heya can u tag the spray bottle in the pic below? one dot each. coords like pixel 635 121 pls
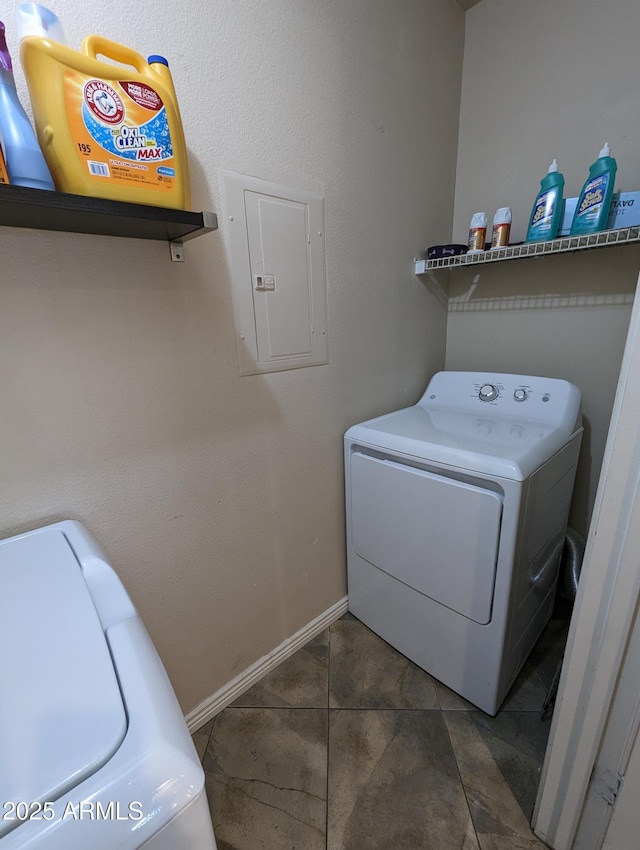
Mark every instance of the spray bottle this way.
pixel 20 153
pixel 592 209
pixel 547 209
pixel 501 228
pixel 477 233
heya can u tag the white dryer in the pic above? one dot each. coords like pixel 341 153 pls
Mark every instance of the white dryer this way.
pixel 456 516
pixel 94 749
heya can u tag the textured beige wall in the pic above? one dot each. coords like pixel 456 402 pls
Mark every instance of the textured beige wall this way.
pixel 579 336
pixel 539 83
pixel 219 499
pixel 543 81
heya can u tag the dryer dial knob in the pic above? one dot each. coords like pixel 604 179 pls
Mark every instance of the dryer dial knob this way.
pixel 488 392
pixel 520 394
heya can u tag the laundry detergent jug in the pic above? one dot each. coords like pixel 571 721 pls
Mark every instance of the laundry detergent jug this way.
pixel 106 130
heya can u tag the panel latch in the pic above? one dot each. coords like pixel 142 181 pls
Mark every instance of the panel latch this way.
pixel 265 282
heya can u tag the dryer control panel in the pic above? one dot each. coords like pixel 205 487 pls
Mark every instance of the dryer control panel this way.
pixel 551 400
pixel 489 392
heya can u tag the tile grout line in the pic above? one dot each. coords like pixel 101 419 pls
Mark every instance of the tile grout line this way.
pixel 206 747
pixel 326 822
pixel 464 790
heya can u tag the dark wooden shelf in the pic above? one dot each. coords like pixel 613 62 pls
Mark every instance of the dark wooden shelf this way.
pixel 22 207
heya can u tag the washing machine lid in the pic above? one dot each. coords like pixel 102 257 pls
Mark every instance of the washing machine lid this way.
pixel 61 712
pixel 509 447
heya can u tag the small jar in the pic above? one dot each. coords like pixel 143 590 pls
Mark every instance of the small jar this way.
pixel 501 228
pixel 477 232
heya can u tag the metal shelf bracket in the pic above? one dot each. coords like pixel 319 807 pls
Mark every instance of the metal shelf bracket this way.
pixel 177 251
pixel 209 223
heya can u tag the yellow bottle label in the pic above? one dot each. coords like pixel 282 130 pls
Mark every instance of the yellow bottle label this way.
pixel 4 176
pixel 120 131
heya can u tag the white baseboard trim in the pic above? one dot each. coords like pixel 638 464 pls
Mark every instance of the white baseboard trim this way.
pixel 241 683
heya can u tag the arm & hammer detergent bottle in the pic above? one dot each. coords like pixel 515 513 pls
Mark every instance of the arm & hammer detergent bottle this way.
pixel 106 130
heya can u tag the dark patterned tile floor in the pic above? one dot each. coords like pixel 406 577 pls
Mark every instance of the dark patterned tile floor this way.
pixel 347 745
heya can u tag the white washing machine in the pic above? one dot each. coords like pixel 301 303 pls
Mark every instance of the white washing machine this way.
pixel 456 515
pixel 94 749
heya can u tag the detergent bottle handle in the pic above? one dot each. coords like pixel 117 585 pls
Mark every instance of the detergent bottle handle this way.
pixel 95 45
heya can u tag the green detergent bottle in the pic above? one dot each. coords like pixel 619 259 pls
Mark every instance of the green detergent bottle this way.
pixel 547 210
pixel 592 209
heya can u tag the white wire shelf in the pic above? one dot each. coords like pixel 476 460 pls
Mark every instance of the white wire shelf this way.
pixel 605 238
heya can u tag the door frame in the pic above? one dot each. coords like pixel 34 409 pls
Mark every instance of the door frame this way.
pixel 603 618
pixel 614 760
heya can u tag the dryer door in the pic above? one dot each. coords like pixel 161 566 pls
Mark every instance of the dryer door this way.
pixel 435 534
